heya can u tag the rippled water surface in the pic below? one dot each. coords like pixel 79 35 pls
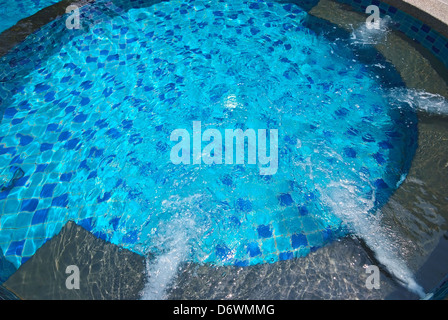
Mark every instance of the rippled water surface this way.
pixel 87 122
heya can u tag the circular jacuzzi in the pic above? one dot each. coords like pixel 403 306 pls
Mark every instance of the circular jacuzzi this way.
pixel 221 135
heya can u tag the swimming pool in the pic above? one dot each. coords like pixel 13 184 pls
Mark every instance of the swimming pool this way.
pixel 86 128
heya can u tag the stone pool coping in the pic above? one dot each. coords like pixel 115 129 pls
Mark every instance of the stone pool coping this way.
pixel 106 271
pixel 23 28
pixel 434 13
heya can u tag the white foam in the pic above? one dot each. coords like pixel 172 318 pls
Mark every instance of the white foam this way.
pixel 420 100
pixel 163 270
pixel 355 212
pixel 365 36
pixel 173 245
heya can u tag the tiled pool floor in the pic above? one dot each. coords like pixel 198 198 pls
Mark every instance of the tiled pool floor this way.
pixel 427 239
pixel 75 147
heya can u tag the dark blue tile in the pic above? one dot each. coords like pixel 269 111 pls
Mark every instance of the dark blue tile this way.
pixel 69 109
pixel 47 190
pixel 41 87
pixel 46 146
pixel 379 158
pixel 303 210
pixel 91 59
pixel 253 249
pixel 385 145
pixel 241 263
pixel 430 39
pixel 222 252
pixel 50 96
pixel 380 184
pixel 65 177
pixel 21 181
pixel 298 240
pixel 286 256
pixel 116 57
pixel 107 196
pixel 102 123
pixel 29 205
pixel 130 237
pixel 264 231
pixel 24 259
pixel 15 248
pixel 39 216
pixel 4 194
pixel 113 133
pixel 327 234
pixel 350 152
pixel 60 201
pixel 227 180
pixel 80 118
pixel 86 224
pixel 24 139
pixel 92 175
pixel 10 112
pixel 72 144
pixel 64 136
pixel 84 101
pixel 244 205
pixel 10 150
pixel 285 199
pixel 95 153
pixel 425 28
pixel 16 159
pixel 83 164
pixel 41 167
pixel 17 121
pixel 52 127
pixel 114 223
pixel 101 235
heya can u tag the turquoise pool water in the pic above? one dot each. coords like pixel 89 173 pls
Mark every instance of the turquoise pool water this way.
pixel 86 126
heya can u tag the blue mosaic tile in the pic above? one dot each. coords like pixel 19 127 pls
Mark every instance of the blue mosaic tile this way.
pixel 15 248
pixel 264 231
pixel 299 240
pixel 60 201
pixel 100 166
pixel 29 205
pixel 47 190
pixel 39 216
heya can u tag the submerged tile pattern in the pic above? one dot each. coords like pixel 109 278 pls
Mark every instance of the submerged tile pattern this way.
pixel 66 156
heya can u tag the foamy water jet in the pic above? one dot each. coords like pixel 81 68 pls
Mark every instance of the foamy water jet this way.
pixel 365 36
pixel 355 211
pixel 173 246
pixel 420 100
